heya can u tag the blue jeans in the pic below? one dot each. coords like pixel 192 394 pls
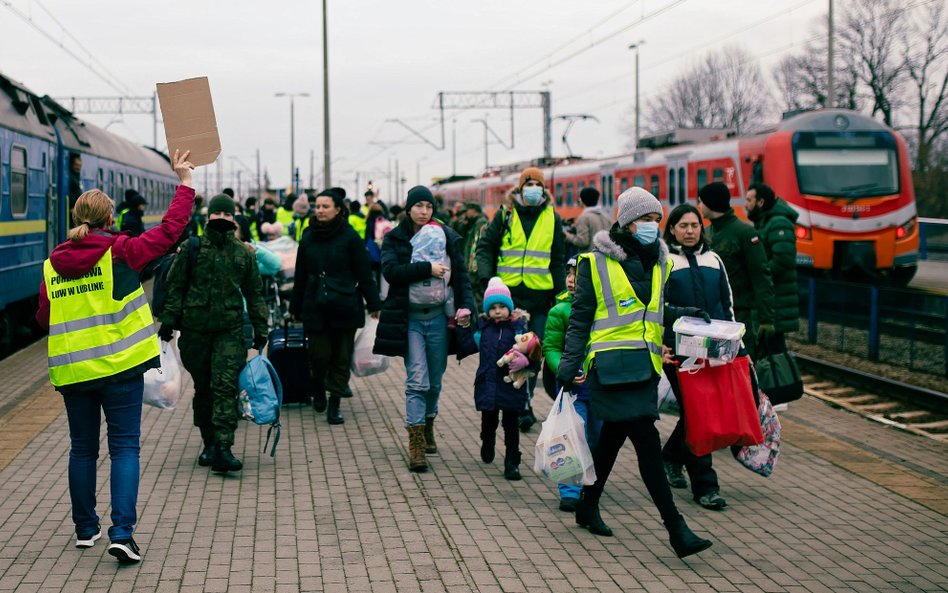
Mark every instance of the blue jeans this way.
pixel 425 364
pixel 122 404
pixel 592 437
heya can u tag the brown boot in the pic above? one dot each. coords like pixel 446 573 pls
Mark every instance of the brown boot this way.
pixel 416 449
pixel 430 446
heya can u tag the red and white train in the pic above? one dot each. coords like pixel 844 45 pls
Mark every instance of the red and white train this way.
pixel 848 176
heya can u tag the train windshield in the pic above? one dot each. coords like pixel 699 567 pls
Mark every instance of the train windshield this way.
pixel 846 164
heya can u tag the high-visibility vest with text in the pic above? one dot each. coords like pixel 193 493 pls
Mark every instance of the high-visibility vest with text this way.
pixel 92 335
pixel 621 320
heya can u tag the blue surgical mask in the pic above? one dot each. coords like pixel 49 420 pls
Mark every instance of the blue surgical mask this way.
pixel 646 232
pixel 532 195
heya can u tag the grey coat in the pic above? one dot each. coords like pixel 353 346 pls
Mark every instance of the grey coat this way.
pixel 591 221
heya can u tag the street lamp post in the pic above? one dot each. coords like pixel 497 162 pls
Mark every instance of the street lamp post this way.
pixel 293 180
pixel 636 47
pixel 326 158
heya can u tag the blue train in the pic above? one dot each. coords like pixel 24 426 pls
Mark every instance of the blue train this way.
pixel 44 149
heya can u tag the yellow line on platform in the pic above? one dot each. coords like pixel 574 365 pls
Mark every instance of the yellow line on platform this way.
pixel 891 476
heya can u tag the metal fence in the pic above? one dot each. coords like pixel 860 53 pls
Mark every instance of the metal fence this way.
pixel 932 238
pixel 897 326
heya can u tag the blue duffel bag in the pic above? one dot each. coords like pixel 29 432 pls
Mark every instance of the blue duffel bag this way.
pixel 261 397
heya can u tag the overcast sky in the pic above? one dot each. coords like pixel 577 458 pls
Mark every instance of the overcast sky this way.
pixel 387 60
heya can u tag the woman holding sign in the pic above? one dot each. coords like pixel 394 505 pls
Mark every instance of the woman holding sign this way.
pixel 102 339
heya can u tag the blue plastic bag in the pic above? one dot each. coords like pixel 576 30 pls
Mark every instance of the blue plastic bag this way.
pixel 261 397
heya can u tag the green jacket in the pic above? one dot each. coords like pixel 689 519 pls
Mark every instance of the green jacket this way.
pixel 554 337
pixel 776 228
pixel 745 262
pixel 210 298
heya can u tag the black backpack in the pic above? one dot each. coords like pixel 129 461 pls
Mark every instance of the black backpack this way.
pixel 159 291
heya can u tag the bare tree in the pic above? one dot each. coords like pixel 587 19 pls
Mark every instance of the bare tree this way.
pixel 725 90
pixel 871 32
pixel 802 78
pixel 926 57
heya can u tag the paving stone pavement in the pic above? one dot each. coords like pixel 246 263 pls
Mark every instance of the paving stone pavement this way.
pixel 337 510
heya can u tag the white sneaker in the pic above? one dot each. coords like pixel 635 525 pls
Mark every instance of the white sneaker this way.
pixel 781 407
pixel 88 542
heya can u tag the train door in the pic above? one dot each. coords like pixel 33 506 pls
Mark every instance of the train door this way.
pixel 608 190
pixel 50 171
pixel 677 182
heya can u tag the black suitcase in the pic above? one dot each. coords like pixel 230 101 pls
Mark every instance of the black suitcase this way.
pixel 286 350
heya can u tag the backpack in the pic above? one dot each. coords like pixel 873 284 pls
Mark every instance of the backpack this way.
pixel 261 397
pixel 159 290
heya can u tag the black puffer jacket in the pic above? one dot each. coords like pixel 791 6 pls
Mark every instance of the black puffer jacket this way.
pixel 342 257
pixel 398 269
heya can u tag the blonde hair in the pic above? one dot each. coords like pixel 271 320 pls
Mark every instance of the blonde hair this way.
pixel 92 211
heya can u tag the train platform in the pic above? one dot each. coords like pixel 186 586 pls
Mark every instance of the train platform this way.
pixel 853 506
pixel 932 275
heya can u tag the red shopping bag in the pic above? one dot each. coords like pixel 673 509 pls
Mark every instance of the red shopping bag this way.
pixel 719 406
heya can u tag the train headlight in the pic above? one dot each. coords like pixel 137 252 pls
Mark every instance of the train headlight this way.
pixel 905 230
pixel 803 232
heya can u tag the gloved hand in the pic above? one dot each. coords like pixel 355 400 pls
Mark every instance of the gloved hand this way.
pixel 765 330
pixel 165 332
pixel 259 342
pixel 696 312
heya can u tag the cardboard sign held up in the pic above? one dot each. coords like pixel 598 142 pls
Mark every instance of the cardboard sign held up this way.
pixel 188 114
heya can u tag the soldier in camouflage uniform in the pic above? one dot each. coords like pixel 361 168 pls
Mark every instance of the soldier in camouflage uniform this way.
pixel 207 305
pixel 745 262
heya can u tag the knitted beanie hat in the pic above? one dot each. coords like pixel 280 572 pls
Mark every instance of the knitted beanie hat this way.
pixel 497 292
pixel 531 173
pixel 419 193
pixel 716 196
pixel 635 203
pixel 221 203
pixel 301 206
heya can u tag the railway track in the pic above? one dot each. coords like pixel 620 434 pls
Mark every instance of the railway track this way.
pixel 907 407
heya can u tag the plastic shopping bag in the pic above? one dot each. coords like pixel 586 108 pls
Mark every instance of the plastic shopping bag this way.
pixel 667 402
pixel 761 458
pixel 165 385
pixel 562 453
pixel 364 362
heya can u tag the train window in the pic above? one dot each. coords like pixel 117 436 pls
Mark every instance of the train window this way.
pixel 569 194
pixel 717 175
pixel 559 194
pixel 654 186
pixel 681 185
pixel 702 178
pixel 624 184
pixel 18 180
pixel 671 187
pixel 111 190
pixel 580 186
pixel 100 181
pixel 639 181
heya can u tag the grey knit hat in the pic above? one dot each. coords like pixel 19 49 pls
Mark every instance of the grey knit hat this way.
pixel 635 203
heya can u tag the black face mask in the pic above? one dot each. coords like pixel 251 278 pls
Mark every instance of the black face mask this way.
pixel 221 225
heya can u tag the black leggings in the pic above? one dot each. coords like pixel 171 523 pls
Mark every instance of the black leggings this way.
pixel 489 422
pixel 648 449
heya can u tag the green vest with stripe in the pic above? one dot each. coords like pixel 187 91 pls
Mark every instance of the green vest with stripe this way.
pixel 621 320
pixel 300 225
pixel 525 260
pixel 121 218
pixel 285 217
pixel 92 335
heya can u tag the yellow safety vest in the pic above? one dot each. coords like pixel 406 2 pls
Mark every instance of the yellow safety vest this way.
pixel 301 224
pixel 358 224
pixel 91 335
pixel 121 218
pixel 285 217
pixel 621 320
pixel 525 260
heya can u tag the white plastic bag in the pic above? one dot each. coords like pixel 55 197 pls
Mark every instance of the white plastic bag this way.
pixel 164 386
pixel 364 362
pixel 667 402
pixel 562 453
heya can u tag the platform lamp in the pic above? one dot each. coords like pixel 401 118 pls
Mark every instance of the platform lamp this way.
pixel 636 47
pixel 293 180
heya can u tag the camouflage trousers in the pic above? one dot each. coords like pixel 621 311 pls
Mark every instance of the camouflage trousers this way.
pixel 214 361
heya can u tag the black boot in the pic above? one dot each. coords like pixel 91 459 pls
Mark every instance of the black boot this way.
pixel 319 401
pixel 587 515
pixel 332 414
pixel 527 420
pixel 488 435
pixel 206 458
pixel 224 460
pixel 512 465
pixel 683 540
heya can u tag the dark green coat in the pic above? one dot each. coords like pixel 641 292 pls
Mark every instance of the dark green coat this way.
pixel 745 261
pixel 210 298
pixel 776 228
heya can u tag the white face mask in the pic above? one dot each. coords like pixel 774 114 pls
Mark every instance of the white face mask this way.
pixel 532 195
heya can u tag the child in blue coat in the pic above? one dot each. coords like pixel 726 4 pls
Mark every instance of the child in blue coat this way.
pixel 495 332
